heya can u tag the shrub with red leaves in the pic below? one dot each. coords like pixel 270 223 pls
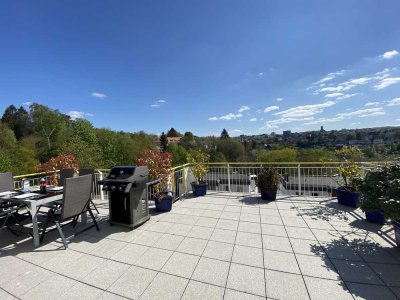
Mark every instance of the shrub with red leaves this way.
pixel 159 165
pixel 64 161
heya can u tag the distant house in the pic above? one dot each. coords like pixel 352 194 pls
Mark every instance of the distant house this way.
pixel 174 139
pixel 358 143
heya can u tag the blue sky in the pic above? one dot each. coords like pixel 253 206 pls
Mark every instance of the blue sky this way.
pixel 251 67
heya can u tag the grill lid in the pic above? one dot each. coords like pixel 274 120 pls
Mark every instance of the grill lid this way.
pixel 122 172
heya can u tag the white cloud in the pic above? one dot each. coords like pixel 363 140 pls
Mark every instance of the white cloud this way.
pixel 227 117
pixel 324 120
pixel 28 103
pixel 355 123
pixel 305 110
pixel 230 116
pixel 347 96
pixel 73 114
pixel 275 123
pixel 373 114
pixel 158 103
pixel 331 89
pixel 385 82
pixel 372 104
pixel 259 111
pixel 243 108
pixel 271 108
pixel 235 132
pixel 393 102
pixel 279 99
pixel 383 74
pixel 378 111
pixel 99 95
pixel 349 84
pixel 261 74
pixel 253 120
pixel 357 81
pixel 389 54
pixel 330 76
pixel 334 95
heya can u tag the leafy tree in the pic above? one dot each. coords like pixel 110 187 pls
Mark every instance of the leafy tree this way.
pixel 9 116
pixel 280 155
pixel 84 130
pixel 188 140
pixel 24 160
pixel 179 154
pixel 216 156
pixel 173 133
pixel 23 124
pixel 224 134
pixel 163 142
pixel 51 128
pixel 315 155
pixel 232 149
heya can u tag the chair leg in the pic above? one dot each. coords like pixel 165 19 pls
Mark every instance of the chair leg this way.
pixel 74 221
pixel 20 225
pixel 45 227
pixel 61 234
pixel 94 206
pixel 94 219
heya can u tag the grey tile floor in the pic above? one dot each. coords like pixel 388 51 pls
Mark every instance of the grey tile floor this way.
pixel 220 246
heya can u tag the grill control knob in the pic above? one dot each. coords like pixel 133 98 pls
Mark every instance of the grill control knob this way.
pixel 105 187
pixel 120 188
pixel 113 188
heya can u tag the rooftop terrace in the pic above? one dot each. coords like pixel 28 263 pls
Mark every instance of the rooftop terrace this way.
pixel 220 246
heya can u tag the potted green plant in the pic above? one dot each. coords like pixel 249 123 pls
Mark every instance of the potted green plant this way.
pixel 391 199
pixel 373 188
pixel 350 172
pixel 159 165
pixel 268 182
pixel 199 166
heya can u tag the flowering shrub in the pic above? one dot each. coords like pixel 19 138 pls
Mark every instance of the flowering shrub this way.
pixel 159 165
pixel 349 170
pixel 64 161
pixel 199 160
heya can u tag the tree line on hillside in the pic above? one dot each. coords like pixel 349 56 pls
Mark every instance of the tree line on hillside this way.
pixel 31 138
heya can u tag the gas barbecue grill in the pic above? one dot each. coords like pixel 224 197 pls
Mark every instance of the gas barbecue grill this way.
pixel 126 187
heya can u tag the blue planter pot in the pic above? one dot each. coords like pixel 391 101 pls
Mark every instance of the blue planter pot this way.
pixel 199 189
pixel 268 194
pixel 375 217
pixel 396 225
pixel 348 198
pixel 165 204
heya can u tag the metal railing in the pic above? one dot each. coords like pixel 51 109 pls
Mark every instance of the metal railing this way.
pixel 304 179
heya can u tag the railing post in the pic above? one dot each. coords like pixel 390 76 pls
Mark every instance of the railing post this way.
pixel 184 179
pixel 299 179
pixel 101 187
pixel 229 177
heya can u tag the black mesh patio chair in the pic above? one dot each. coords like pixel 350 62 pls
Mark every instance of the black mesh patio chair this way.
pixel 64 174
pixel 6 182
pixel 75 201
pixel 9 211
pixel 87 171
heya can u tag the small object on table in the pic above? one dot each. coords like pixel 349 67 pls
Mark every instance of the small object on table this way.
pixel 43 186
pixel 27 186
